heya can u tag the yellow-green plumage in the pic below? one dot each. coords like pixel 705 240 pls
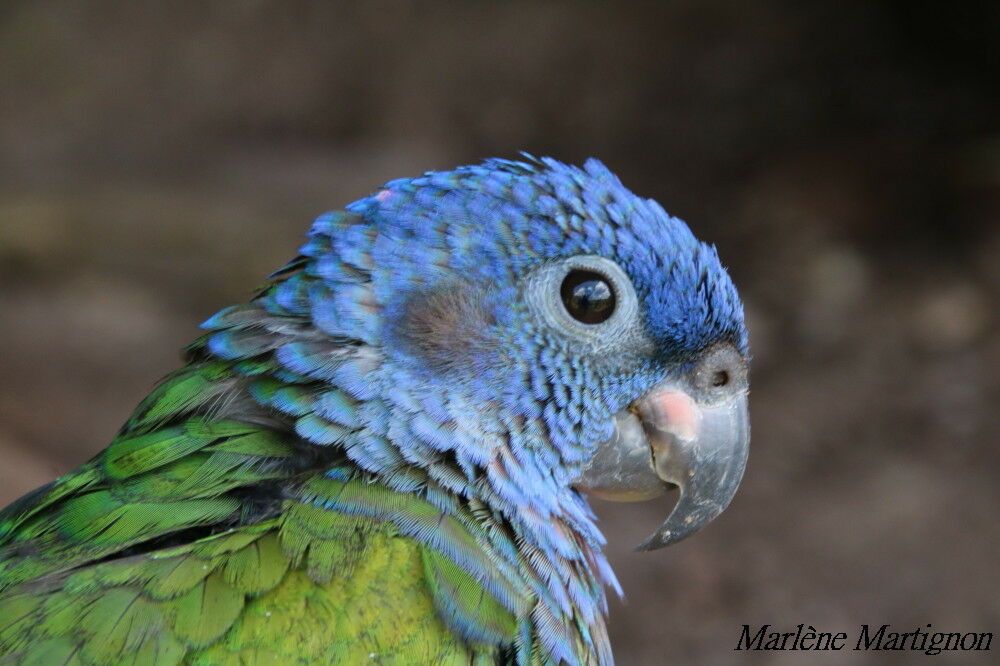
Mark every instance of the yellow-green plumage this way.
pixel 306 585
pixel 238 598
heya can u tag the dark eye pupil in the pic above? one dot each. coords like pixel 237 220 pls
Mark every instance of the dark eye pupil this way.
pixel 587 296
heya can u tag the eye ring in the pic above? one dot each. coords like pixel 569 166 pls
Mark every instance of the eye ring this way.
pixel 622 325
pixel 588 296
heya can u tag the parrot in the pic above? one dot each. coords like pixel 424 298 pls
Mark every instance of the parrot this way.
pixel 386 455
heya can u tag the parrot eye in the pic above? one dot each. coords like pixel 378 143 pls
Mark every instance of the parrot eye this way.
pixel 587 296
pixel 589 302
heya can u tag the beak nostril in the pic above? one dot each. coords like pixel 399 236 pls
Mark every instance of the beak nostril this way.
pixel 720 378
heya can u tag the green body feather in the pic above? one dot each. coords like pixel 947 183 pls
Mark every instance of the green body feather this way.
pixel 170 548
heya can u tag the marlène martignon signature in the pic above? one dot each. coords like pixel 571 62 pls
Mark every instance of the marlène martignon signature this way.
pixel 868 637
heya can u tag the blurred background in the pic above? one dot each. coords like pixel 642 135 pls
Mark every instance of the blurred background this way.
pixel 157 160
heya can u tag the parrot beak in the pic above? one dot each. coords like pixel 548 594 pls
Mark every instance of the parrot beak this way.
pixel 667 438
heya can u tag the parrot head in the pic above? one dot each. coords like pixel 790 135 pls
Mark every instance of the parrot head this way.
pixel 551 332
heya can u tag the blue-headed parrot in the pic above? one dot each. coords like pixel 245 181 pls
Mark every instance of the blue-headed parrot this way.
pixel 385 456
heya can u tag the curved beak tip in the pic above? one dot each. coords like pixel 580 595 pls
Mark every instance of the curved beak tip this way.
pixel 702 449
pixel 674 441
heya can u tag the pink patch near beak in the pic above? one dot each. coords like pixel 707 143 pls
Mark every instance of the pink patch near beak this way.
pixel 681 413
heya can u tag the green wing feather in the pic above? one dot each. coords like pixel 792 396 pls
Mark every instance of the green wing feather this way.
pixel 235 598
pixel 182 543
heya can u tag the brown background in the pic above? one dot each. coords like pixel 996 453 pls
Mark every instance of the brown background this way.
pixel 155 163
